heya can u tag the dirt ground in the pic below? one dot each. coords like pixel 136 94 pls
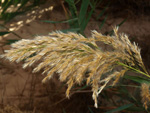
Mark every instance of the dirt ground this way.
pixel 23 90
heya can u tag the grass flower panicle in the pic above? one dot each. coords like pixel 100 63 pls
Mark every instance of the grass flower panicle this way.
pixel 145 94
pixel 76 58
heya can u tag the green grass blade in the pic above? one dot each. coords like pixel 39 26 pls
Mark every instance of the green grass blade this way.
pixel 4 33
pixel 83 10
pixel 10 41
pixel 90 110
pixel 102 13
pixel 120 108
pixel 8 16
pixel 135 109
pixel 72 8
pixel 6 5
pixel 23 3
pixel 71 30
pixel 98 2
pixel 137 79
pixel 85 22
pixel 103 22
pixel 77 2
pixel 64 110
pixel 91 3
pixel 122 22
pixel 134 69
pixel 84 87
pixel 15 2
pixel 118 25
pixel 73 12
pixel 65 21
pixel 124 94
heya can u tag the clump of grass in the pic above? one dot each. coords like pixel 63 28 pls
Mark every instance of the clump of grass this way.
pixel 76 58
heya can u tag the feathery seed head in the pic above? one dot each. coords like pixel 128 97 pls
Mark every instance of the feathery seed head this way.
pixel 145 94
pixel 72 56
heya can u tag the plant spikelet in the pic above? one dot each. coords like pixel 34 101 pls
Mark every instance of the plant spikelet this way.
pixel 145 94
pixel 77 59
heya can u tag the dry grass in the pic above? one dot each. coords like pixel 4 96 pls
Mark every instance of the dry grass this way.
pixel 77 59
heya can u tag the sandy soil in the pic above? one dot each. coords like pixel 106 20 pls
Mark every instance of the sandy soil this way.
pixel 22 87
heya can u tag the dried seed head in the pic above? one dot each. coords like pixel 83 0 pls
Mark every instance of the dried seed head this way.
pixel 77 58
pixel 145 94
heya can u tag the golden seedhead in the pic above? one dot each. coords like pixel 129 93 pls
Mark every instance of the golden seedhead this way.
pixel 145 94
pixel 76 58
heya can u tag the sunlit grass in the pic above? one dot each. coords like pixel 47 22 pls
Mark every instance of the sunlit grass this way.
pixel 76 59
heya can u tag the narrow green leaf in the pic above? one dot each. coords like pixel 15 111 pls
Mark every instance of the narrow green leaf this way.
pixel 118 25
pixel 77 2
pixel 15 2
pixel 4 33
pixel 99 2
pixel 72 8
pixel 65 21
pixel 4 3
pixel 137 79
pixel 70 30
pixel 127 95
pixel 85 22
pixel 64 110
pixel 10 41
pixel 134 109
pixel 120 108
pixel 23 3
pixel 85 86
pixel 100 27
pixel 73 12
pixel 8 16
pixel 134 69
pixel 90 110
pixel 6 6
pixel 122 22
pixel 93 3
pixel 83 10
pixel 102 13
pixel 70 2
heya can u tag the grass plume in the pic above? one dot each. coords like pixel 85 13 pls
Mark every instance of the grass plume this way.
pixel 145 94
pixel 76 58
